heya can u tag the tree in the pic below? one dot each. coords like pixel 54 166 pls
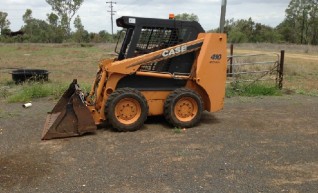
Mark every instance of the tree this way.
pixel 39 31
pixel 297 18
pixel 314 22
pixel 65 9
pixel 287 32
pixel 106 37
pixel 242 30
pixel 187 17
pixel 81 35
pixel 27 16
pixel 78 24
pixel 264 33
pixel 53 19
pixel 57 32
pixel 301 22
pixel 100 37
pixel 4 22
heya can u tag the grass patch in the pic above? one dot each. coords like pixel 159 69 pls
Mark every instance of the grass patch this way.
pixel 177 130
pixel 29 91
pixel 33 90
pixel 252 90
pixel 307 93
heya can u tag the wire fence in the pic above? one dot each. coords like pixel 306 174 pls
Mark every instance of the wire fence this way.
pixel 253 68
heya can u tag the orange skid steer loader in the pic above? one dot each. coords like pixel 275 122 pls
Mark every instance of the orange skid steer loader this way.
pixel 164 67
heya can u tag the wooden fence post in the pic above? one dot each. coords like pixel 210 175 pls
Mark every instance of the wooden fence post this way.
pixel 281 70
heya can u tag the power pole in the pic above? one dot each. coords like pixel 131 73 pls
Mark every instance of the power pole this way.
pixel 222 19
pixel 112 12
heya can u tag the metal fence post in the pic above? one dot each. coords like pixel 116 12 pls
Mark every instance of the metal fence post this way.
pixel 231 60
pixel 281 69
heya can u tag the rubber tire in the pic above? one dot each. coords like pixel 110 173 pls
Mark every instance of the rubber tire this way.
pixel 115 97
pixel 171 101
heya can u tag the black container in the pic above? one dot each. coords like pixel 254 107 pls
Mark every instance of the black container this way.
pixel 23 75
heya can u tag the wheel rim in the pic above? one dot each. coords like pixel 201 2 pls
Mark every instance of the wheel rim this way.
pixel 127 111
pixel 186 109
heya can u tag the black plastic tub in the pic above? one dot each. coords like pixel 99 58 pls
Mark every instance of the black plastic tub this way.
pixel 23 75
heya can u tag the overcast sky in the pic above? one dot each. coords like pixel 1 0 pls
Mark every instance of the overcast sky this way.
pixel 95 17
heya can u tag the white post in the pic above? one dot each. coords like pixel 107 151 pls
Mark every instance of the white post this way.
pixel 223 12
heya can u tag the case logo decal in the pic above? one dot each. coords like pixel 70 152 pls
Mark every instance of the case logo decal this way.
pixel 174 51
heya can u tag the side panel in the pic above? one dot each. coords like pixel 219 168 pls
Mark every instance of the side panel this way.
pixel 155 101
pixel 211 68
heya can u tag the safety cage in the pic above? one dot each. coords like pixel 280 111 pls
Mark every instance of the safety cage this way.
pixel 146 35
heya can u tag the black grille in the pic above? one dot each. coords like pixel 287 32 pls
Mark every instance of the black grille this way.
pixel 155 39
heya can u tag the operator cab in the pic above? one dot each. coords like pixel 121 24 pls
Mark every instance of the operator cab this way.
pixel 146 35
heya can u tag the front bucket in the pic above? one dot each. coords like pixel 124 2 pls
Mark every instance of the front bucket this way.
pixel 70 116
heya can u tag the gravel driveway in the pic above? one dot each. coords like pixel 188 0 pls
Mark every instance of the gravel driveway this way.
pixel 267 144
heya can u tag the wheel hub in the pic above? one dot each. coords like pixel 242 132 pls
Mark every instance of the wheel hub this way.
pixel 186 108
pixel 127 110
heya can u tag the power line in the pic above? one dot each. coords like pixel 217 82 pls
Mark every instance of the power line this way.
pixel 112 13
pixel 130 4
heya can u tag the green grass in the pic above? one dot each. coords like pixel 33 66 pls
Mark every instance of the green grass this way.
pixel 307 93
pixel 29 91
pixel 33 90
pixel 177 130
pixel 257 89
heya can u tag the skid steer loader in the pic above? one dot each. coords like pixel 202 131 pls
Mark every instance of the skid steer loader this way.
pixel 164 67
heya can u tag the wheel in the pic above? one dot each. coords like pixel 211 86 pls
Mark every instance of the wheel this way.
pixel 126 109
pixel 183 108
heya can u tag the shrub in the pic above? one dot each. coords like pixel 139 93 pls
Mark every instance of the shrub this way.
pixel 256 89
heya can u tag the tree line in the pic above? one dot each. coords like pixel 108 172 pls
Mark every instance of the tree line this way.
pixel 55 29
pixel 300 26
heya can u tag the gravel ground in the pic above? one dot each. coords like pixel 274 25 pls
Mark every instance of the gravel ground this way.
pixel 264 144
